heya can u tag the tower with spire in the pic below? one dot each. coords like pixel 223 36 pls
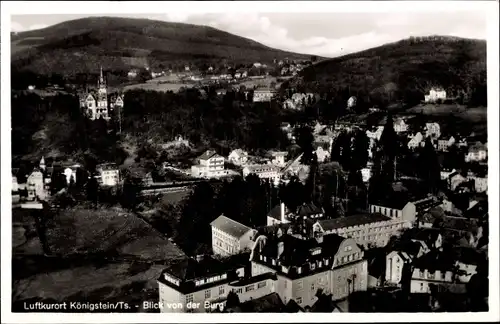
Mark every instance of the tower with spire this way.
pixel 95 103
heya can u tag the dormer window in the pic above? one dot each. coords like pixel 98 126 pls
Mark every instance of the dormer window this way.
pixel 299 270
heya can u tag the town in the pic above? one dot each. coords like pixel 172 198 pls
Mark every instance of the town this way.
pixel 230 188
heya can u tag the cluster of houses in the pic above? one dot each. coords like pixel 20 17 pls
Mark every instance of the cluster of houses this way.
pixel 35 187
pixel 302 255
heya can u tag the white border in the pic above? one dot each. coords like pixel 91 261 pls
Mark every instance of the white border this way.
pixel 79 7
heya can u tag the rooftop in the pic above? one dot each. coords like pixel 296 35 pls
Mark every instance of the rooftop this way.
pixel 349 221
pixel 229 226
pixel 208 154
pixel 398 204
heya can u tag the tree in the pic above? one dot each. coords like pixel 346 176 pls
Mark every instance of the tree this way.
pixel 305 139
pixel 360 151
pixel 130 193
pixel 429 167
pixel 92 189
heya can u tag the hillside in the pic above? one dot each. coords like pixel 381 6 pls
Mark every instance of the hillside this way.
pixel 80 46
pixel 403 70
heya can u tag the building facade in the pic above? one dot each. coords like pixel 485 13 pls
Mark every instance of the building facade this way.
pixel 108 175
pixel 211 165
pixel 264 171
pixel 95 104
pixel 230 237
pixel 435 94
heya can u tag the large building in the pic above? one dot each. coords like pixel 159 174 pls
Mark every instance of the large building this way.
pixel 280 214
pixel 263 95
pixel 307 266
pixel 396 209
pixel 95 104
pixel 365 229
pixel 264 171
pixel 108 175
pixel 230 237
pixel 211 165
pixel 202 285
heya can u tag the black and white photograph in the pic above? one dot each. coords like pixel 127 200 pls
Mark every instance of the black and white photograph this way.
pixel 256 157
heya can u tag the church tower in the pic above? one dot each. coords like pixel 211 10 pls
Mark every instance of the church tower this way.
pixel 102 98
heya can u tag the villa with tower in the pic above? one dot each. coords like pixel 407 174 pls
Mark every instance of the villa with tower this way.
pixel 96 103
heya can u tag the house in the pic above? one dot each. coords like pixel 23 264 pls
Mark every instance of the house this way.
pixel 322 154
pixel 375 134
pixel 400 126
pixel 263 94
pixel 399 209
pixel 15 184
pixel 432 270
pixel 305 265
pixel 467 261
pixel 35 185
pixel 366 173
pixel 445 173
pixel 397 263
pixel 416 141
pixel 435 94
pixel 238 157
pixel 480 183
pixel 429 237
pixel 351 102
pixel 187 68
pixel 425 204
pixel 70 172
pixel 264 171
pixel 230 237
pixel 455 179
pixel 444 143
pixel 279 158
pixel 211 165
pixel 132 74
pixel 95 105
pixel 257 65
pixel 365 229
pixel 202 285
pixel 108 174
pixel 280 214
pixel 432 130
pixel 477 152
pixel 117 101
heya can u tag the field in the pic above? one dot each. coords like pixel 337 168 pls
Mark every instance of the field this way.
pixel 164 83
pixel 98 255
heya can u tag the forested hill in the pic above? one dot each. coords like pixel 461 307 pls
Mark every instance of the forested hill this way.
pixel 80 46
pixel 403 70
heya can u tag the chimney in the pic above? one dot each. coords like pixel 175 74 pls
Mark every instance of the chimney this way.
pixel 283 213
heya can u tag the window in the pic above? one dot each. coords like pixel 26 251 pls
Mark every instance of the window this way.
pixel 189 298
pixel 430 275
pixel 286 282
pixel 261 284
pixel 249 288
pixel 312 287
pixel 421 274
pixel 421 287
pixel 299 300
pixel 208 293
pixel 300 284
pixel 221 290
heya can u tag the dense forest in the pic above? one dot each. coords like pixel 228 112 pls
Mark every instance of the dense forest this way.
pixel 403 71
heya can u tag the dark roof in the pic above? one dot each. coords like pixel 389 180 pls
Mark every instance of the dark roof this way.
pixel 468 255
pixel 229 226
pixel 427 235
pixel 410 247
pixel 308 209
pixel 435 260
pixel 479 210
pixel 276 212
pixel 459 223
pixel 189 268
pixel 266 304
pixel 207 155
pixel 427 203
pixel 292 307
pixel 359 219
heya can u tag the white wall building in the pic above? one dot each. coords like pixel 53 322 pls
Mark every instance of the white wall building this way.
pixel 230 237
pixel 211 165
pixel 435 94
pixel 108 174
pixel 264 171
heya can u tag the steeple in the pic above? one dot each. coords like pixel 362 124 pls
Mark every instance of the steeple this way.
pixel 101 79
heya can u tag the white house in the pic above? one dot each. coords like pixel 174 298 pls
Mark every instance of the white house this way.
pixel 432 130
pixel 264 171
pixel 427 272
pixel 211 165
pixel 230 237
pixel 435 94
pixel 416 141
pixel 444 143
pixel 400 126
pixel 351 102
pixel 263 95
pixel 322 154
pixel 396 263
pixel 477 152
pixel 108 174
pixel 279 158
pixel 366 174
pixel 238 157
pixel 35 186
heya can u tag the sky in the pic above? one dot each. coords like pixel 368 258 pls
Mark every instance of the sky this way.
pixel 323 34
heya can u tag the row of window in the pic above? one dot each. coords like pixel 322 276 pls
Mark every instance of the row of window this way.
pixel 210 280
pixel 432 275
